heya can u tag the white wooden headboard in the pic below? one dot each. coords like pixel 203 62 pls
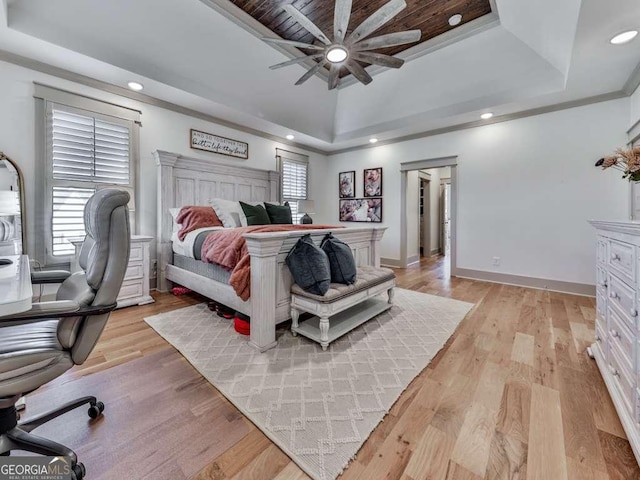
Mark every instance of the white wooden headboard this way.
pixel 191 181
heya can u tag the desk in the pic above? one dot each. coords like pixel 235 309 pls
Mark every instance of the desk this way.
pixel 15 286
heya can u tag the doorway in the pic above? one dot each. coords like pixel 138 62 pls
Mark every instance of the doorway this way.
pixel 434 217
pixel 428 214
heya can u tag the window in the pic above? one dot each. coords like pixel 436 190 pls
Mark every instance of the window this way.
pixel 85 151
pixel 294 175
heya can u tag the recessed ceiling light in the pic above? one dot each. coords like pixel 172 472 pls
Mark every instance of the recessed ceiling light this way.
pixel 290 137
pixel 136 86
pixel 624 37
pixel 486 116
pixel 455 19
pixel 337 54
pixel 373 140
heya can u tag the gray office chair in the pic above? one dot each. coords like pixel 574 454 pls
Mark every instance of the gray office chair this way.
pixel 44 342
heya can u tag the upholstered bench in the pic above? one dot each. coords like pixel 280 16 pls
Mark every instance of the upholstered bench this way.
pixel 343 307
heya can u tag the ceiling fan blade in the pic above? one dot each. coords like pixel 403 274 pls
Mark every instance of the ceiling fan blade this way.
pixel 389 40
pixel 378 59
pixel 359 72
pixel 341 18
pixel 376 20
pixel 307 24
pixel 293 43
pixel 293 61
pixel 334 76
pixel 311 72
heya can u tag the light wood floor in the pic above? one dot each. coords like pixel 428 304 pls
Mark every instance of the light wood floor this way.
pixel 511 396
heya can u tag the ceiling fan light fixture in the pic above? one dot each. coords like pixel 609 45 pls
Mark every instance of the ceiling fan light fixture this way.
pixel 624 37
pixel 349 51
pixel 455 19
pixel 486 116
pixel 373 140
pixel 337 54
pixel 290 137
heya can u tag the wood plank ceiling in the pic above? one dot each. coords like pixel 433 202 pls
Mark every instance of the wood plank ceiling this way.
pixel 429 16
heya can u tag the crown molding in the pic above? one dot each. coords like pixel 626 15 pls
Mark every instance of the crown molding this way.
pixel 48 69
pixel 497 119
pixel 633 82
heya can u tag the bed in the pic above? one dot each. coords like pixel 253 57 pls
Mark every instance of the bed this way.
pixel 190 181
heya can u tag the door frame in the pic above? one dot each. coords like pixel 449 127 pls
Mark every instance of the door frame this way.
pixel 443 232
pixel 406 167
pixel 424 234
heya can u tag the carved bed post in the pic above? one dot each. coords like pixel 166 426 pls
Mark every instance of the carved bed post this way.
pixel 264 279
pixel 165 162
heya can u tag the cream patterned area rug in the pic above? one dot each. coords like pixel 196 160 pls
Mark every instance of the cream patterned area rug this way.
pixel 318 407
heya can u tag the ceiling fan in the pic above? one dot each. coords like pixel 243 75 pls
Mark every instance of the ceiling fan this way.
pixel 349 50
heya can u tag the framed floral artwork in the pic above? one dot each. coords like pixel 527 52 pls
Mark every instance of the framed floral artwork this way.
pixel 373 182
pixel 347 184
pixel 361 210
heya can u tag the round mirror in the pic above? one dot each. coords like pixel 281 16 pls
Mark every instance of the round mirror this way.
pixel 12 225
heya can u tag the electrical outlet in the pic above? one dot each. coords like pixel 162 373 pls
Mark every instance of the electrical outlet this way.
pixel 496 261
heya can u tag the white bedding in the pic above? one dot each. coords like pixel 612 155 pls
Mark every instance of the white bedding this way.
pixel 185 247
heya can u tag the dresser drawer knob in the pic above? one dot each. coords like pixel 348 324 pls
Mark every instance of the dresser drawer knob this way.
pixel 615 334
pixel 598 338
pixel 633 312
pixel 614 295
pixel 615 256
pixel 604 284
pixel 614 371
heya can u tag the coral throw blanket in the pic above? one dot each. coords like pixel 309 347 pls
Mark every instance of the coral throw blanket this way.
pixel 228 249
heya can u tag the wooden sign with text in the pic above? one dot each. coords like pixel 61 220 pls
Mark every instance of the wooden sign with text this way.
pixel 217 144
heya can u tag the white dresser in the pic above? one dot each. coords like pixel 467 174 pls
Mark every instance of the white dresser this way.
pixel 135 287
pixel 617 347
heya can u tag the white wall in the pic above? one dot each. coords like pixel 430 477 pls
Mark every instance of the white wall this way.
pixel 161 130
pixel 526 189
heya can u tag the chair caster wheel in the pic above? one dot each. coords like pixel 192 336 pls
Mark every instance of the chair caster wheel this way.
pixel 78 471
pixel 96 410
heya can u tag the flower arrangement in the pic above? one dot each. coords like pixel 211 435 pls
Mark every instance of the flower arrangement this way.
pixel 627 161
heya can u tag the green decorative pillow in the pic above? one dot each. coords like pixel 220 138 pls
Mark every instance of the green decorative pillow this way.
pixel 256 214
pixel 279 214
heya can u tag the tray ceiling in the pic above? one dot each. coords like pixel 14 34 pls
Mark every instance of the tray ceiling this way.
pixel 430 16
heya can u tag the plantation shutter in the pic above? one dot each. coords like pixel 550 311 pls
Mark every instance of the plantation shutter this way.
pixel 89 149
pixel 87 153
pixel 294 173
pixel 68 220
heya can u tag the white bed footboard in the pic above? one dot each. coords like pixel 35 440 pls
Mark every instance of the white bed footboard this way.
pixel 271 280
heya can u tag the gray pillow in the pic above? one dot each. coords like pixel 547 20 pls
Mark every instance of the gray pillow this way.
pixel 309 266
pixel 341 261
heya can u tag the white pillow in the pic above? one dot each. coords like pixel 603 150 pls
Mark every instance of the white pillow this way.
pixel 174 215
pixel 229 212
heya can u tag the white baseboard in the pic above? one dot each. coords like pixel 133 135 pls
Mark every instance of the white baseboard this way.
pixel 583 289
pixel 391 262
pixel 413 259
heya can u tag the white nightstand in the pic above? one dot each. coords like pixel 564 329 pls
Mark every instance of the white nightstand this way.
pixel 135 287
